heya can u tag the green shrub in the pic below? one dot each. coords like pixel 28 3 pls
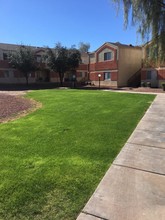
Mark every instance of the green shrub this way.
pixel 143 84
pixel 163 86
pixel 148 84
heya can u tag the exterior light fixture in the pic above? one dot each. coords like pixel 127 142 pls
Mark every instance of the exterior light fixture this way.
pixel 74 80
pixel 99 75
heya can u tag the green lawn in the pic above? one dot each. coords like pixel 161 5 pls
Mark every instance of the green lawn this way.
pixel 52 160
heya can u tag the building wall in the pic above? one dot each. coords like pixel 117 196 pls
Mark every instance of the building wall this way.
pixel 54 77
pixel 100 55
pixel 101 66
pixel 92 58
pixel 1 54
pixel 81 76
pixel 8 75
pixel 161 73
pixel 95 79
pixel 130 61
pixel 12 76
pixel 155 82
pixel 85 58
pixel 124 62
pixel 152 64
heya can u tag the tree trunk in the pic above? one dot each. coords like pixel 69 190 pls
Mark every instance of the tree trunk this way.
pixel 27 79
pixel 61 75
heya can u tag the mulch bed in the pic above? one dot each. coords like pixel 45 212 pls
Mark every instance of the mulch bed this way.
pixel 12 106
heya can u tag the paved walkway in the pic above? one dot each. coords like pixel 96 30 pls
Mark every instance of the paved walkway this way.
pixel 134 186
pixel 15 93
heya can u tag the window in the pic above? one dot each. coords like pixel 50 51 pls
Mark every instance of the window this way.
pixel 80 74
pixel 6 73
pixel 92 55
pixel 107 76
pixel 5 56
pixel 38 58
pixel 108 56
pixel 149 74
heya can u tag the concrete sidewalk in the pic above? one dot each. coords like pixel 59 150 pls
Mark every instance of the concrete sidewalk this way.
pixel 134 186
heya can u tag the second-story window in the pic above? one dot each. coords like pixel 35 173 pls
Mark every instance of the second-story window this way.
pixel 5 56
pixel 108 56
pixel 38 58
pixel 92 55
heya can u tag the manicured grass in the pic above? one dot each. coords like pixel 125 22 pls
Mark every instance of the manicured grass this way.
pixel 52 160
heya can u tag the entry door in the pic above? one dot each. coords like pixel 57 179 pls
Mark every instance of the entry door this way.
pixel 154 80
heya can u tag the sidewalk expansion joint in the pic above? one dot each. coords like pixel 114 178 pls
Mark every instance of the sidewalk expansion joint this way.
pixel 146 120
pixel 144 145
pixel 148 112
pixel 162 132
pixel 86 213
pixel 152 172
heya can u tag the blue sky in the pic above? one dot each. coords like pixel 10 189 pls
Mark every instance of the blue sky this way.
pixel 46 22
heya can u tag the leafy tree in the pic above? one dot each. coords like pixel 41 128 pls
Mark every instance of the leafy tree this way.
pixel 24 61
pixel 74 58
pixel 60 60
pixel 57 60
pixel 148 15
pixel 84 47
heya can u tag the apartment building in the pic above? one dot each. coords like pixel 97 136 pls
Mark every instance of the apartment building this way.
pixel 113 64
pixel 153 68
pixel 8 75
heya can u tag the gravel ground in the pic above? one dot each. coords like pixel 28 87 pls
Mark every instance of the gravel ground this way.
pixel 11 106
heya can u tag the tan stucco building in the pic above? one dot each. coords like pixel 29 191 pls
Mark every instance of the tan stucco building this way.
pixel 113 64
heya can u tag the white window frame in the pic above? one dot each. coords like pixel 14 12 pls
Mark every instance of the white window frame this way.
pixel 107 56
pixel 107 76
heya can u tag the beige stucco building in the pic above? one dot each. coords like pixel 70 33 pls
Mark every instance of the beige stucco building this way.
pixel 115 64
pixel 112 64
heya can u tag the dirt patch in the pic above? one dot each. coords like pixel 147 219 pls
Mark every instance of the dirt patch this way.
pixel 145 89
pixel 13 107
